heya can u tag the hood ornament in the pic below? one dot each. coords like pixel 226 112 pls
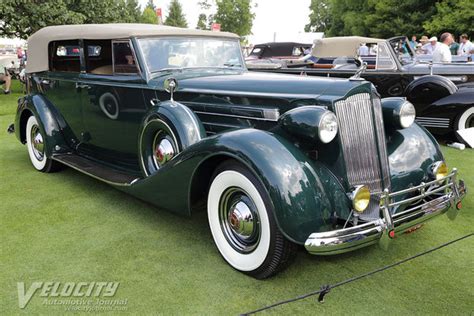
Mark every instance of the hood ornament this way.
pixel 362 67
pixel 170 85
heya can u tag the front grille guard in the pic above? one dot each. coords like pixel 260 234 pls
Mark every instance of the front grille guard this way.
pixel 429 190
pixel 430 200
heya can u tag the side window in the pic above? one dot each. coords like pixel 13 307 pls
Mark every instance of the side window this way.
pixel 297 51
pixel 65 56
pixel 124 59
pixel 98 57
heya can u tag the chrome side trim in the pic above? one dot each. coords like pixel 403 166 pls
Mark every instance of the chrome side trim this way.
pixel 438 122
pixel 237 116
pixel 448 193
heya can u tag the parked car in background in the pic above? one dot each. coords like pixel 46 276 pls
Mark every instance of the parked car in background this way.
pixel 443 94
pixel 276 161
pixel 278 50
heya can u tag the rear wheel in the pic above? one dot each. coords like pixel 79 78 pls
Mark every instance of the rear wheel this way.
pixel 35 142
pixel 242 223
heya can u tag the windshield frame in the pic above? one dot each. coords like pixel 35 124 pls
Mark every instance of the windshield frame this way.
pixel 167 70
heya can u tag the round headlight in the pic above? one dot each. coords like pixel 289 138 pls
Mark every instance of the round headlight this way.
pixel 439 170
pixel 327 128
pixel 360 197
pixel 407 114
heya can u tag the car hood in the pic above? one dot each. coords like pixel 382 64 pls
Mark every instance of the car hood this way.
pixel 231 82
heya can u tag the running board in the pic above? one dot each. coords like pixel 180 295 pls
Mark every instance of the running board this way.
pixel 96 170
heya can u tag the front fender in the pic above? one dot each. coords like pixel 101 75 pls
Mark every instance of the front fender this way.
pixel 51 123
pixel 304 193
pixel 411 152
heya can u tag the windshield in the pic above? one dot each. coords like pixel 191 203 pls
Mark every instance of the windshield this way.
pixel 403 48
pixel 170 53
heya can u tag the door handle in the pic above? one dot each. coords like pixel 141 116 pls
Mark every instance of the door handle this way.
pixel 82 86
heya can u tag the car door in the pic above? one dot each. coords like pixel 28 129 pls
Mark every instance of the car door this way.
pixel 59 85
pixel 112 105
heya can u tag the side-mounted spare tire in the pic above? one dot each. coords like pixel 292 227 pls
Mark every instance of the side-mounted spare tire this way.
pixel 168 128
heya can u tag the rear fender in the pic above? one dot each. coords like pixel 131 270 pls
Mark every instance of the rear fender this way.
pixel 52 125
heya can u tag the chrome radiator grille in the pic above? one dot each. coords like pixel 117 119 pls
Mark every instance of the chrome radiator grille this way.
pixel 362 136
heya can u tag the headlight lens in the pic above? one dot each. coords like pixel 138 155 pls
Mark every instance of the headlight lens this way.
pixel 327 129
pixel 439 170
pixel 407 114
pixel 360 198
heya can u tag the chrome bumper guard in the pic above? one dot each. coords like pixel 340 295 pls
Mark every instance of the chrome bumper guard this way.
pixel 443 193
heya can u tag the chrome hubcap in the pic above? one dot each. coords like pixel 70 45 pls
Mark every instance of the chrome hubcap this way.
pixel 239 220
pixel 164 149
pixel 37 143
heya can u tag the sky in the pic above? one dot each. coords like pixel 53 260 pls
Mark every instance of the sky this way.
pixel 286 19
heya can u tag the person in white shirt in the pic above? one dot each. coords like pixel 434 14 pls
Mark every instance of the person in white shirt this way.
pixel 429 48
pixel 363 50
pixel 442 54
pixel 466 48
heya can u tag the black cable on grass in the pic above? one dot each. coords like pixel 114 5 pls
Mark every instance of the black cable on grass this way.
pixel 326 288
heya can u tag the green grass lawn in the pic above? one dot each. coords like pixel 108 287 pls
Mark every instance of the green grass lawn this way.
pixel 69 227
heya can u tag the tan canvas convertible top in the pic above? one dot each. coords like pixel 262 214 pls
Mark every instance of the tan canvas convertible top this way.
pixel 39 41
pixel 344 46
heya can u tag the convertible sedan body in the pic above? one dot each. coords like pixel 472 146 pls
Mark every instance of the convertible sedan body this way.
pixel 173 117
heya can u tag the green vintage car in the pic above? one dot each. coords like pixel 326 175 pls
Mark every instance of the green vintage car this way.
pixel 173 117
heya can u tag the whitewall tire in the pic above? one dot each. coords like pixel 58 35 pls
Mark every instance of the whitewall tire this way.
pixel 35 142
pixel 466 119
pixel 242 224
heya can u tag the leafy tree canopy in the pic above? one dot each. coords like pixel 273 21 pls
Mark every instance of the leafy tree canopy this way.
pixel 21 18
pixel 149 16
pixel 387 18
pixel 455 16
pixel 175 15
pixel 202 22
pixel 235 16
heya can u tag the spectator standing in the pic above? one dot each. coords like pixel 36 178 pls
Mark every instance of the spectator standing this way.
pixel 363 50
pixel 430 47
pixel 442 54
pixel 5 79
pixel 454 47
pixel 465 47
pixel 413 42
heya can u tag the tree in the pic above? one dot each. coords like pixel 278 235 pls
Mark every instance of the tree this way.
pixel 202 22
pixel 175 15
pixel 374 18
pixel 452 16
pixel 319 16
pixel 149 16
pixel 234 16
pixel 22 18
pixel 150 4
pixel 132 11
pixel 407 19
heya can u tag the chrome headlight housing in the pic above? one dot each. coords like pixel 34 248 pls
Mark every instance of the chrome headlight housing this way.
pixel 327 128
pixel 398 112
pixel 310 123
pixel 406 114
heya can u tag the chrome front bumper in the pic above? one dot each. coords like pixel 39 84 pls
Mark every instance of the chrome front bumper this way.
pixel 443 194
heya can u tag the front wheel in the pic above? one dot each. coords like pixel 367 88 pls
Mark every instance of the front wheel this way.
pixel 36 147
pixel 242 223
